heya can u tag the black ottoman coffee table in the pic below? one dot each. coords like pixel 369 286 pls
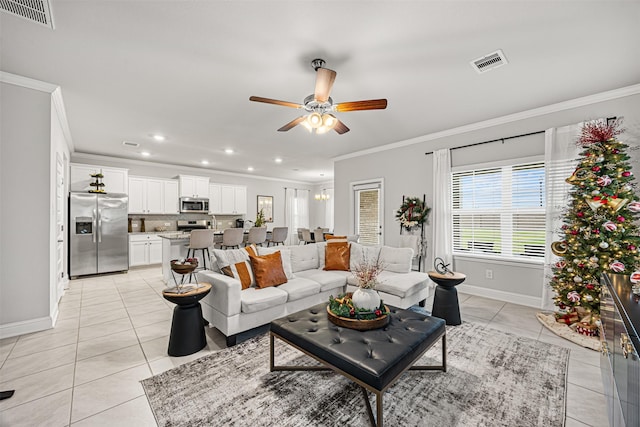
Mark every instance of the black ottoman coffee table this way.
pixel 373 359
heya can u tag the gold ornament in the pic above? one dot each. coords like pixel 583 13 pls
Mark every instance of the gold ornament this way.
pixel 559 248
pixel 578 175
pixel 593 204
pixel 617 204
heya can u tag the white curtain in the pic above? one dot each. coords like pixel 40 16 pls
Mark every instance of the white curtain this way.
pixel 441 209
pixel 328 210
pixel 560 155
pixel 296 213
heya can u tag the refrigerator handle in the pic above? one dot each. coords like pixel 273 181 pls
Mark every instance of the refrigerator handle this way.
pixel 95 226
pixel 99 225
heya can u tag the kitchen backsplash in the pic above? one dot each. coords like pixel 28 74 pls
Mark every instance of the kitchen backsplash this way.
pixel 170 221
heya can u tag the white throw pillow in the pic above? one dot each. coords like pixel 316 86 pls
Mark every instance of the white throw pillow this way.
pixel 361 254
pixel 227 257
pixel 321 253
pixel 397 260
pixel 304 257
pixel 285 254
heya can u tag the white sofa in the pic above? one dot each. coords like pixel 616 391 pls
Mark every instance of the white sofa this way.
pixel 233 310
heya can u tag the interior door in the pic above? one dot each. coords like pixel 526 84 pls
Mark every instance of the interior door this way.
pixel 368 212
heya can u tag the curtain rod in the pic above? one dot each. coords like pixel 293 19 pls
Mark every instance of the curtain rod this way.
pixel 493 140
pixel 609 120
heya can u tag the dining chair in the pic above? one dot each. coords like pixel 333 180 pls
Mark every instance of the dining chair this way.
pixel 318 235
pixel 278 236
pixel 232 237
pixel 257 236
pixel 306 236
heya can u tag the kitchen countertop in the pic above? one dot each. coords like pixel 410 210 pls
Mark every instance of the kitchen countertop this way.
pixel 180 235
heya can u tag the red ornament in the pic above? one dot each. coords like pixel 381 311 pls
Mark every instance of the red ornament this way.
pixel 620 218
pixel 352 312
pixel 581 265
pixel 596 168
pixel 596 198
pixel 626 174
pixel 580 214
pixel 574 232
pixel 631 247
pixel 615 151
pixel 590 286
pixel 596 231
pixel 378 313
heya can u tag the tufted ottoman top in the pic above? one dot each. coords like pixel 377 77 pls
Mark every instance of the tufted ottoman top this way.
pixel 375 357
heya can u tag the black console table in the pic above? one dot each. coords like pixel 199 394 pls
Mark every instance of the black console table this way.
pixel 620 315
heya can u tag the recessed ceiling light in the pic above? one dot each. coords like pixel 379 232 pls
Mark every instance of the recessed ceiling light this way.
pixel 321 174
pixel 250 168
pixel 278 160
pixel 228 151
pixel 145 153
pixel 159 137
pixel 205 162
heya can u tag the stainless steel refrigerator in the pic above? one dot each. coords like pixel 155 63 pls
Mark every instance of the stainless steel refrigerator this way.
pixel 98 234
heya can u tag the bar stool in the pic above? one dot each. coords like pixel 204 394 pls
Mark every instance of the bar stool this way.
pixel 200 240
pixel 257 236
pixel 232 237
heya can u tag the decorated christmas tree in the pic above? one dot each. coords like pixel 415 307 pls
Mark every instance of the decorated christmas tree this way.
pixel 599 230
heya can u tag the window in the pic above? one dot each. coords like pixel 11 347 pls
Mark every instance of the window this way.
pixel 500 211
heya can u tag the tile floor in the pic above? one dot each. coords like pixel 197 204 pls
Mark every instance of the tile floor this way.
pixel 113 331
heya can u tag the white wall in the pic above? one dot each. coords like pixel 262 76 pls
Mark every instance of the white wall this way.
pixel 256 186
pixel 406 170
pixel 25 122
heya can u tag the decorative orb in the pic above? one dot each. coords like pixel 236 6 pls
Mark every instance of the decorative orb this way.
pixel 595 192
pixel 577 279
pixel 604 245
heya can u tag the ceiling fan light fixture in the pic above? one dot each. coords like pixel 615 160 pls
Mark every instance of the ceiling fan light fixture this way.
pixel 306 125
pixel 314 120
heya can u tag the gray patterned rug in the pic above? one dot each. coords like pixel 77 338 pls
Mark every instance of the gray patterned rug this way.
pixel 493 379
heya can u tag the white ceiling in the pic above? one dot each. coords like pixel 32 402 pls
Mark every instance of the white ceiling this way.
pixel 186 69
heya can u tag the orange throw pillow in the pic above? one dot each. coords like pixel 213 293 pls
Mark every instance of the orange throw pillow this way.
pixel 267 270
pixel 331 236
pixel 336 256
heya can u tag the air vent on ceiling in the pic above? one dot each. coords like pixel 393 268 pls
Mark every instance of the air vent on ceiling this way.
pixel 489 62
pixel 38 11
pixel 130 144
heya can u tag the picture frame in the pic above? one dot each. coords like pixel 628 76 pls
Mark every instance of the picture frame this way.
pixel 266 204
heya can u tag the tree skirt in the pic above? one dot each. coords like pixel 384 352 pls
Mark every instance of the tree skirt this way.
pixel 493 378
pixel 564 331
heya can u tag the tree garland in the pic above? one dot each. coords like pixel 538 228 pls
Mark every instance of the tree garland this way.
pixel 412 213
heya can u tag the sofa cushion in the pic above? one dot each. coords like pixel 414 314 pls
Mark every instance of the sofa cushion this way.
pixel 327 279
pixel 337 256
pixel 361 254
pixel 396 260
pixel 401 285
pixel 299 288
pixel 267 270
pixel 304 257
pixel 321 250
pixel 241 271
pixel 286 258
pixel 254 299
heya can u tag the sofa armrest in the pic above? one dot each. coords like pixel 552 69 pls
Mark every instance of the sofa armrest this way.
pixel 225 292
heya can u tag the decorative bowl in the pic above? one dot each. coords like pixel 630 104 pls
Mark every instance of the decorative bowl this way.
pixel 358 324
pixel 183 268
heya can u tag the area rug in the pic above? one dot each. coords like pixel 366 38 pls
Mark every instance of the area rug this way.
pixel 493 379
pixel 564 331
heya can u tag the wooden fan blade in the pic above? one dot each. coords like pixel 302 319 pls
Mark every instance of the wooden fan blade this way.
pixel 341 128
pixel 324 82
pixel 275 101
pixel 372 104
pixel 293 123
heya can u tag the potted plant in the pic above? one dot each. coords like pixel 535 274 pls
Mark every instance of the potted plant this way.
pixel 259 222
pixel 366 297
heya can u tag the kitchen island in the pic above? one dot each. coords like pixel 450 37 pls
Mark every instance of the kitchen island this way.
pixel 174 246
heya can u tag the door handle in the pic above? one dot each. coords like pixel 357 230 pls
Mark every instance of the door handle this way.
pixel 99 225
pixel 95 226
pixel 60 241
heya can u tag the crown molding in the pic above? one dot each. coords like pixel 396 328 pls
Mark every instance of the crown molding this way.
pixel 27 82
pixel 536 112
pixel 76 156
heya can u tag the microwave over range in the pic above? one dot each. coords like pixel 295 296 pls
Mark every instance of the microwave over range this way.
pixel 194 205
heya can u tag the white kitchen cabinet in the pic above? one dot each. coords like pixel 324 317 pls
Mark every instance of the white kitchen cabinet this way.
pixel 215 205
pixel 115 179
pixel 233 199
pixel 171 197
pixel 152 196
pixel 194 186
pixel 144 249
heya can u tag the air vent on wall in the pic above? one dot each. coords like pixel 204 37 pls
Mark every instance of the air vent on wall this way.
pixel 130 144
pixel 489 62
pixel 38 11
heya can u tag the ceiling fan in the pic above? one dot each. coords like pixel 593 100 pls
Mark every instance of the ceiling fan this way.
pixel 320 106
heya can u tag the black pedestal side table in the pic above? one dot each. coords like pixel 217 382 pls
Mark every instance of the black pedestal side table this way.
pixel 445 301
pixel 187 327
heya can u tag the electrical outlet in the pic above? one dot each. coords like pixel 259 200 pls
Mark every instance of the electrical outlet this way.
pixel 167 224
pixel 488 274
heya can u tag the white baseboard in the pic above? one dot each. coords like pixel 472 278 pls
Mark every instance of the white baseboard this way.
pixel 26 327
pixel 514 298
